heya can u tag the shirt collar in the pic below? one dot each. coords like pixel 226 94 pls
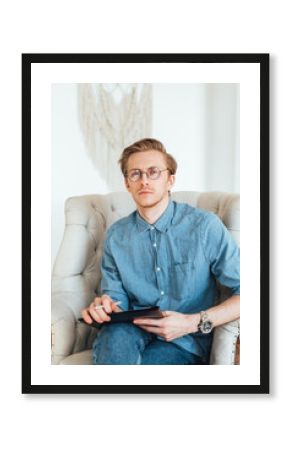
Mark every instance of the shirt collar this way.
pixel 161 224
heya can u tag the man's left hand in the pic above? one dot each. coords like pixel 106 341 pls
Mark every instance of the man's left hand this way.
pixel 172 326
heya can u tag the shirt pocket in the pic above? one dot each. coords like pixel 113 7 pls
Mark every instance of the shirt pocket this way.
pixel 181 280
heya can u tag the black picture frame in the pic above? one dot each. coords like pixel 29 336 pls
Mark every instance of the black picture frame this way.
pixel 244 58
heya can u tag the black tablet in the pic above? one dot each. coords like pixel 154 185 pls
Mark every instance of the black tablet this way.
pixel 129 316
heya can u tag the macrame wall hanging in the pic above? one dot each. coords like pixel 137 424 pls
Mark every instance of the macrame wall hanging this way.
pixel 113 116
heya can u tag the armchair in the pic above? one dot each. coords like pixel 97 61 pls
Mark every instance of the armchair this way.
pixel 76 272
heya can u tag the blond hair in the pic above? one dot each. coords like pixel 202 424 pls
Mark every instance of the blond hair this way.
pixel 146 145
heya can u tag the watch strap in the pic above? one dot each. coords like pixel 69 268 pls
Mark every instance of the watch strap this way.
pixel 203 316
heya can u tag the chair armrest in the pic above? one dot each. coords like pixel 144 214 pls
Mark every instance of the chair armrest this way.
pixel 62 327
pixel 66 336
pixel 223 349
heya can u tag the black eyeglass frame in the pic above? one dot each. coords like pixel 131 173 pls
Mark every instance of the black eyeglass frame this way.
pixel 141 172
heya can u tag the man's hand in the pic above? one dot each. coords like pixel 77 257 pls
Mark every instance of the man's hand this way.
pixel 100 315
pixel 172 326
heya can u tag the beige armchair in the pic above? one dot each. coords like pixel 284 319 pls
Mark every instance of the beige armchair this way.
pixel 76 272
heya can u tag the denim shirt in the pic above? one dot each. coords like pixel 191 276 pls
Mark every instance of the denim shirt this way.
pixel 174 263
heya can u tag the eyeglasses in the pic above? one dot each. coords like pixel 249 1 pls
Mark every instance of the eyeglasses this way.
pixel 153 173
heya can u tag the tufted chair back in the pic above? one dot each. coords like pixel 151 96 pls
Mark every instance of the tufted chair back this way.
pixel 76 272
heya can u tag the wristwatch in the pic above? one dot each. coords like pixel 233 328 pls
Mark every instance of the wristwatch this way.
pixel 205 326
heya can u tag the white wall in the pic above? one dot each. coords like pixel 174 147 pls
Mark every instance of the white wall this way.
pixel 72 171
pixel 198 123
pixel 179 121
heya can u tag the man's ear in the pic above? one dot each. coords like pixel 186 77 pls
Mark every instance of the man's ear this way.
pixel 171 180
pixel 126 182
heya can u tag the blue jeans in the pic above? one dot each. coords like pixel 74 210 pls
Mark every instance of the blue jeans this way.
pixel 125 343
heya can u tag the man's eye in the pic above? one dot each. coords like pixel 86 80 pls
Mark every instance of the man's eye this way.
pixel 153 171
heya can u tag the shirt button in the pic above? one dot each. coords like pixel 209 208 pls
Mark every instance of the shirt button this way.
pixel 162 292
pixel 158 269
pixel 154 245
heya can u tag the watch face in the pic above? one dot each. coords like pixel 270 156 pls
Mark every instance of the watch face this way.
pixel 206 327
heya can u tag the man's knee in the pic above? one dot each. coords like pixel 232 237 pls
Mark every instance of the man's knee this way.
pixel 117 331
pixel 119 343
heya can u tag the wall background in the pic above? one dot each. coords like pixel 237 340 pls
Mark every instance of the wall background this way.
pixel 198 124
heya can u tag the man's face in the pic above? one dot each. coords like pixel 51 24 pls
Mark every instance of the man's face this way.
pixel 146 192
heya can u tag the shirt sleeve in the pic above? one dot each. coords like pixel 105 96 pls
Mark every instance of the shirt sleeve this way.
pixel 111 283
pixel 222 253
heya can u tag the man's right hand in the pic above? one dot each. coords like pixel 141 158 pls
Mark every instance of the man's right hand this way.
pixel 100 315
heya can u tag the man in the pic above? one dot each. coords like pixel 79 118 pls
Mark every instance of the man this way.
pixel 164 254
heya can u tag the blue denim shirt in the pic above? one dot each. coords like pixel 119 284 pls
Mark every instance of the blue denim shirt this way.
pixel 174 263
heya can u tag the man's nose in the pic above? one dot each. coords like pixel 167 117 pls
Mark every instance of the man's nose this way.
pixel 144 178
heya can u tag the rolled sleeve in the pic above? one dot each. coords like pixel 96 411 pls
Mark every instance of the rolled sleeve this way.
pixel 111 283
pixel 223 254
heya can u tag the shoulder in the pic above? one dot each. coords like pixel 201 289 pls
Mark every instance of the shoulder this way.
pixel 192 215
pixel 121 226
